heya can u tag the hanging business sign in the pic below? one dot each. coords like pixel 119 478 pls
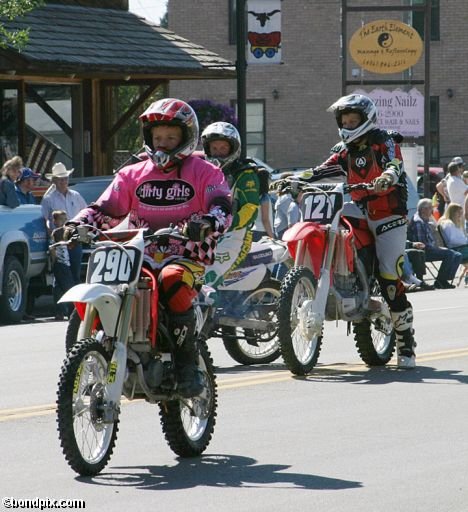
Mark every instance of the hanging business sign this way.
pixel 386 46
pixel 399 110
pixel 264 31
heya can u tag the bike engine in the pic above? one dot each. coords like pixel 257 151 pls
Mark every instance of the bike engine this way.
pixel 345 283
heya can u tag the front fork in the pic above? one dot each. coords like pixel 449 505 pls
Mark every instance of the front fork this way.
pixel 312 312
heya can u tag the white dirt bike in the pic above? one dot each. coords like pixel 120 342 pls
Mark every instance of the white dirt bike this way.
pixel 243 313
pixel 124 349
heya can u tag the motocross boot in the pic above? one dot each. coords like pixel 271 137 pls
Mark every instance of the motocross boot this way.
pixel 403 325
pixel 189 377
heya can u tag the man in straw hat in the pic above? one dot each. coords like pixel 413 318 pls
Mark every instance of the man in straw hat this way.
pixel 61 197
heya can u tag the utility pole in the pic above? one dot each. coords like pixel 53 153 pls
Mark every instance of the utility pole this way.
pixel 427 98
pixel 241 67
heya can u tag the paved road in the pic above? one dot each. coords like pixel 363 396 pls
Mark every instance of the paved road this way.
pixel 345 439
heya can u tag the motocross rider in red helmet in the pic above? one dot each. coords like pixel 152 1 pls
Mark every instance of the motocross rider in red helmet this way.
pixel 174 187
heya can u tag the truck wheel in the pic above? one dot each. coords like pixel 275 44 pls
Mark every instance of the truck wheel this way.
pixel 13 298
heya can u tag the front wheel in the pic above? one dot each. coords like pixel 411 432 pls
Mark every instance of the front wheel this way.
pixel 300 350
pixel 251 346
pixel 188 423
pixel 73 329
pixel 87 423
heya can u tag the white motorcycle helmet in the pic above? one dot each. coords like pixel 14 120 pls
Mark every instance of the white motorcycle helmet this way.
pixel 221 131
pixel 361 104
pixel 171 112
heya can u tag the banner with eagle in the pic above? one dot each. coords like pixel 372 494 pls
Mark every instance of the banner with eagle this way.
pixel 264 31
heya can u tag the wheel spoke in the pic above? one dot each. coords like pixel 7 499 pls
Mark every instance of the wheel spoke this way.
pixel 299 348
pixel 86 440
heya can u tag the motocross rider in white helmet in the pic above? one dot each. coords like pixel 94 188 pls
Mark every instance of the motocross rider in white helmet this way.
pixel 367 154
pixel 222 146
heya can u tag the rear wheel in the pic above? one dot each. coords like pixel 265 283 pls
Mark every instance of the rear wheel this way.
pixel 87 423
pixel 188 423
pixel 299 349
pixel 251 346
pixel 375 336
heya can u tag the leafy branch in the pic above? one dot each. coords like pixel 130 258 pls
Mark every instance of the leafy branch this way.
pixel 9 10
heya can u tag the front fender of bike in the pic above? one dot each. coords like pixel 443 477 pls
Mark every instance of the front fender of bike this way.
pixel 314 241
pixel 106 301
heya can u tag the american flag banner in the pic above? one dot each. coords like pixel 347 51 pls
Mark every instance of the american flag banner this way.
pixel 264 31
pixel 42 154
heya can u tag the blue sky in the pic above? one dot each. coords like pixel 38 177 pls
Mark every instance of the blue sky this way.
pixel 150 9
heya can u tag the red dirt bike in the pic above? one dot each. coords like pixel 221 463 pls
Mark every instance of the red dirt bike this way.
pixel 333 278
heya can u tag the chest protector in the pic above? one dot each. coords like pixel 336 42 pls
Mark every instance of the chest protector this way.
pixel 363 165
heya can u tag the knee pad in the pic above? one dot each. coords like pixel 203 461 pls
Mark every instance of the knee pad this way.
pixel 393 292
pixel 177 288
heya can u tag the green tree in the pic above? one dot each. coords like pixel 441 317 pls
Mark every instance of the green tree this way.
pixel 129 138
pixel 9 10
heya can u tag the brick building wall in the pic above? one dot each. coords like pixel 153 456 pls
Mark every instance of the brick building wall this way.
pixel 299 131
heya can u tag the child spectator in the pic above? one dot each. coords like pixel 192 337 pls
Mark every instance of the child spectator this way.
pixel 63 277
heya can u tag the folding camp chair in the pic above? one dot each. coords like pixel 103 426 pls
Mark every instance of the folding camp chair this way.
pixel 443 243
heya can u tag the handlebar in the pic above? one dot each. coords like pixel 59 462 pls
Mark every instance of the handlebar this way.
pixel 307 186
pixel 87 234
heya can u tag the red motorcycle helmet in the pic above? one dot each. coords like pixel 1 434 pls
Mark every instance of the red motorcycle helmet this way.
pixel 170 112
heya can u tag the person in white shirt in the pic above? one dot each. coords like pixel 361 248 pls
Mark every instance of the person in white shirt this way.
pixel 60 197
pixel 453 234
pixel 456 187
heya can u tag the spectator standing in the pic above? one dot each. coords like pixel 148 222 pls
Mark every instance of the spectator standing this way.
pixel 264 222
pixel 442 198
pixel 25 185
pixel 280 223
pixel 465 207
pixel 420 230
pixel 294 211
pixel 60 256
pixel 61 197
pixel 11 171
pixel 456 187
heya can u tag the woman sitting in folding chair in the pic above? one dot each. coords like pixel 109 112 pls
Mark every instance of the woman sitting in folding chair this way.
pixel 453 234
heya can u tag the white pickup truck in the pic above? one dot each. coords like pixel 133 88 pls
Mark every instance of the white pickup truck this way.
pixel 23 259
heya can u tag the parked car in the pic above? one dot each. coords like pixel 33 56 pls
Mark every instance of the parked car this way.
pixel 23 260
pixel 435 175
pixel 91 187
